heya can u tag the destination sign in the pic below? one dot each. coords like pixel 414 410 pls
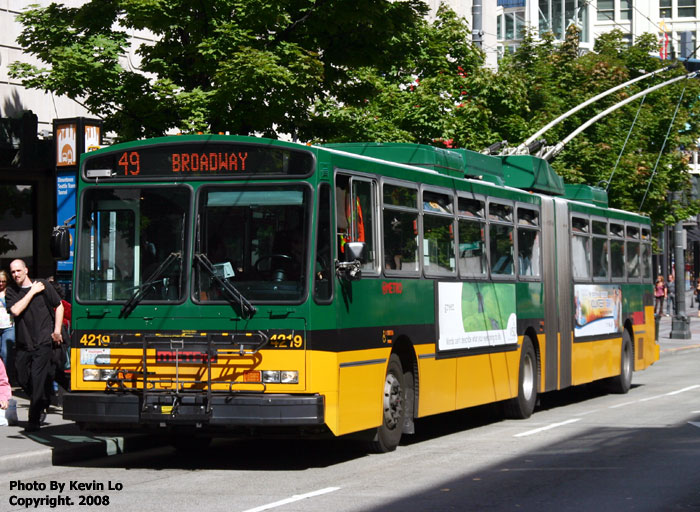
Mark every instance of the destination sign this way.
pixel 195 160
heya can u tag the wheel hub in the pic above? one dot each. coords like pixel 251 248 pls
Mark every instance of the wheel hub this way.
pixel 393 402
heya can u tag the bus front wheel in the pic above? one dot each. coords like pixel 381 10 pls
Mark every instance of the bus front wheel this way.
pixel 522 406
pixel 394 407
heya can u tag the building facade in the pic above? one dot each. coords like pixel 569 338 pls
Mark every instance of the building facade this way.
pixel 676 22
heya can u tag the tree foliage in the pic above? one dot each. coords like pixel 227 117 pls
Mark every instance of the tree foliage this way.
pixel 373 70
pixel 242 66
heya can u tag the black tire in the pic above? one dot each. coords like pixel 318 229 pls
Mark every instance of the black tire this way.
pixel 388 435
pixel 622 383
pixel 523 405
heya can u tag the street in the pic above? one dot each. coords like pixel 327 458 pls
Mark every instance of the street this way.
pixel 581 450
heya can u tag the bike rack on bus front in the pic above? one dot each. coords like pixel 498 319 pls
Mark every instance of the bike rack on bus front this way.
pixel 186 349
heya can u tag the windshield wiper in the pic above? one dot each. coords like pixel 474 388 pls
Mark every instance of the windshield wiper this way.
pixel 154 278
pixel 230 291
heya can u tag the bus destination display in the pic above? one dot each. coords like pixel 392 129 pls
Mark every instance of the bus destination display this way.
pixel 198 161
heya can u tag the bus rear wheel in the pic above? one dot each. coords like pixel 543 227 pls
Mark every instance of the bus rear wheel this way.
pixel 622 383
pixel 522 406
pixel 394 407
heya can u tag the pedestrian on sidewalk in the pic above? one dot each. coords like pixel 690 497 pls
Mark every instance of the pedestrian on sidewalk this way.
pixel 659 295
pixel 37 328
pixel 671 295
pixel 5 389
pixel 7 327
pixel 697 295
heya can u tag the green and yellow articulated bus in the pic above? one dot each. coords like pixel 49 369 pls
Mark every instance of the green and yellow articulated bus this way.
pixel 226 285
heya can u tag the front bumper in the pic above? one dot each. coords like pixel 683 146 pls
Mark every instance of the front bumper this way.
pixel 166 409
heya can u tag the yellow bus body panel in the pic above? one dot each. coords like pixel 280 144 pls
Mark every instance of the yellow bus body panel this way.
pixel 436 382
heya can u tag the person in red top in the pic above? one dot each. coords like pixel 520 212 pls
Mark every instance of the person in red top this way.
pixel 5 389
pixel 660 292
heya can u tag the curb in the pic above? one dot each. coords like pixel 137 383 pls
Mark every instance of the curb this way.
pixel 97 447
pixel 678 349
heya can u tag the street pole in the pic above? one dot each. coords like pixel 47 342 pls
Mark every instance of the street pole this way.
pixel 680 325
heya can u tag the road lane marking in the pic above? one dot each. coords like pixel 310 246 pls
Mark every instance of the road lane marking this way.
pixel 683 390
pixel 650 398
pixel 548 427
pixel 670 393
pixel 296 497
pixel 622 404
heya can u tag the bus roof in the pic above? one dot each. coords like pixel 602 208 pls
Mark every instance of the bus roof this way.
pixel 524 172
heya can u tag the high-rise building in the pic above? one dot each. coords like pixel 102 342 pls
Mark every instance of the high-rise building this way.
pixel 674 21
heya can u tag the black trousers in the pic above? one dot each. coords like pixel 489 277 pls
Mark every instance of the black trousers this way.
pixel 34 373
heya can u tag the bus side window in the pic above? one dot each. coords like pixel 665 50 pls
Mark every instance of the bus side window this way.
pixel 354 209
pixel 528 242
pixel 600 256
pixel 400 222
pixel 362 220
pixel 438 233
pixel 632 252
pixel 472 238
pixel 501 239
pixel 580 248
pixel 323 269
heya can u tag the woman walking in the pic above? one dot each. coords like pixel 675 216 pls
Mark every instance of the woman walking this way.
pixel 659 295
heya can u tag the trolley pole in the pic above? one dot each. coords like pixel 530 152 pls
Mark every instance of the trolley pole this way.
pixel 680 325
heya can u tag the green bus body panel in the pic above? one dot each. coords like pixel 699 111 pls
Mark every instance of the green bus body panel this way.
pixel 426 157
pixel 587 194
pixel 531 173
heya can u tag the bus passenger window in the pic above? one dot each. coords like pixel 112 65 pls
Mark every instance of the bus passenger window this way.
pixel 501 246
pixel 472 256
pixel 529 252
pixel 633 266
pixel 501 239
pixel 600 257
pixel 438 244
pixel 528 243
pixel 400 222
pixel 580 248
pixel 617 259
pixel 438 233
pixel 646 261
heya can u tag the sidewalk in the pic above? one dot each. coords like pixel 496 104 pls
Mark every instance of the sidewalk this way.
pixel 58 441
pixel 671 346
pixel 62 442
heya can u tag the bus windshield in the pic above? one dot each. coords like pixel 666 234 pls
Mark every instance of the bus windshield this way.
pixel 126 236
pixel 256 239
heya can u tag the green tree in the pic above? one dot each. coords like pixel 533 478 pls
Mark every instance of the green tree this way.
pixel 650 164
pixel 242 66
pixel 440 93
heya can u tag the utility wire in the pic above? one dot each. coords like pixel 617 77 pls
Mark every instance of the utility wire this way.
pixel 625 144
pixel 663 146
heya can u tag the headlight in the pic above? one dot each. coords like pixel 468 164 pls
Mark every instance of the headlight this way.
pixel 289 377
pixel 280 377
pixel 271 376
pixel 95 374
pixel 91 374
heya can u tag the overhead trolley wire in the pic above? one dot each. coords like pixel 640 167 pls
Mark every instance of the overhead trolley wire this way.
pixel 663 146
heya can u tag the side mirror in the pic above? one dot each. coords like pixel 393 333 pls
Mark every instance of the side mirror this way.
pixel 354 251
pixel 350 267
pixel 60 243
